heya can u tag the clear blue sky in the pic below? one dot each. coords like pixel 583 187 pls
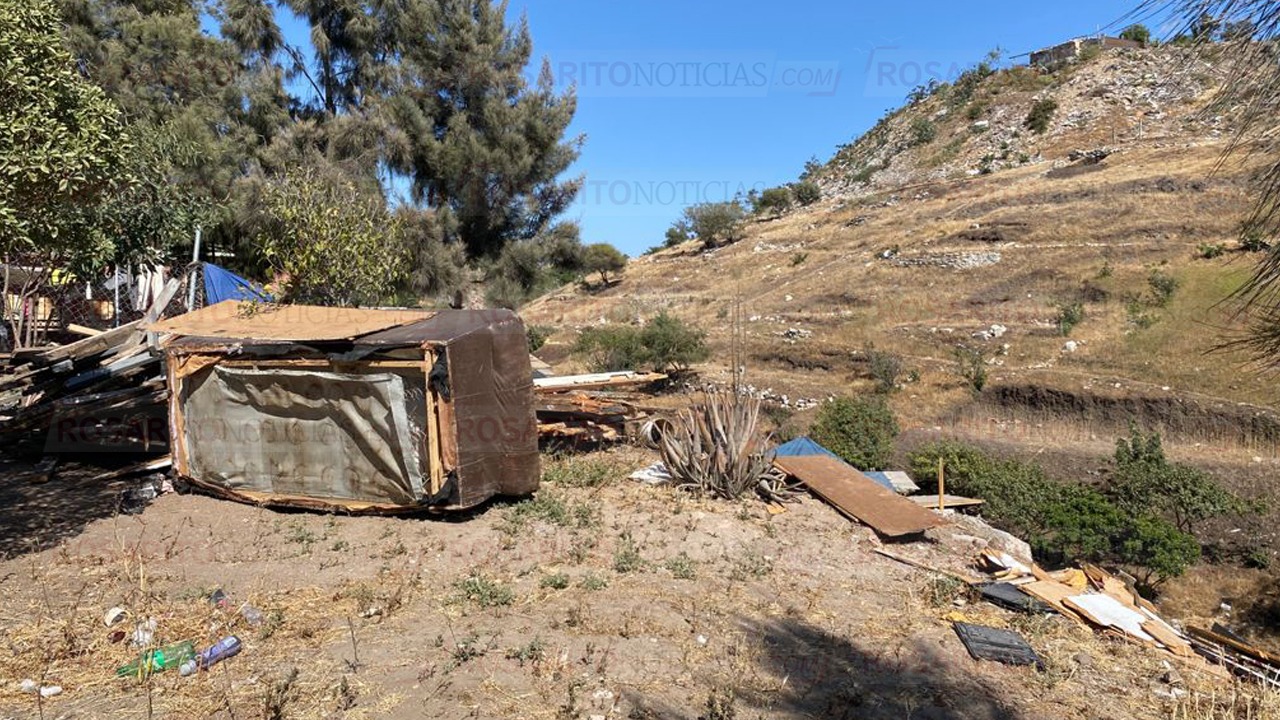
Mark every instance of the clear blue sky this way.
pixel 683 101
pixel 688 101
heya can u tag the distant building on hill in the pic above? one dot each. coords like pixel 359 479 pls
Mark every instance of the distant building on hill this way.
pixel 1072 49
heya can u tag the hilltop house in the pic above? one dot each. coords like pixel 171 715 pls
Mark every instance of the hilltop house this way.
pixel 1072 49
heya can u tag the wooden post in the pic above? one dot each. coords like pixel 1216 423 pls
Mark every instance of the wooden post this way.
pixel 942 486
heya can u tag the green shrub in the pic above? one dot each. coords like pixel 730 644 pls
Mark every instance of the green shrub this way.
pixel 1209 251
pixel 972 367
pixel 1145 481
pixel 885 368
pixel 772 201
pixel 1252 240
pixel 806 192
pixel 538 336
pixel 710 223
pixel 665 344
pixel 1163 286
pixel 1063 522
pixel 1069 315
pixel 923 131
pixel 1041 115
pixel 1137 33
pixel 860 430
pixel 798 258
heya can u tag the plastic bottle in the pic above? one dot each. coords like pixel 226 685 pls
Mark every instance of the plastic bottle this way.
pixel 252 615
pixel 212 655
pixel 158 660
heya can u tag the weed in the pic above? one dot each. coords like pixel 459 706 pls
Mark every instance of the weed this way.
pixel 485 591
pixel 626 559
pixel 1069 315
pixel 531 652
pixel 555 581
pixel 1041 114
pixel 339 545
pixel 577 471
pixel 1138 316
pixel 720 705
pixel 468 649
pixel 942 591
pixel 799 258
pixel 300 534
pixel 885 368
pixel 972 367
pixel 1163 286
pixel 750 565
pixel 594 582
pixel 1209 251
pixel 682 567
pixel 271 624
pixel 277 698
pixel 581 546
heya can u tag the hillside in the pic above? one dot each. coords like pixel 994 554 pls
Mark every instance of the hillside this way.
pixel 931 253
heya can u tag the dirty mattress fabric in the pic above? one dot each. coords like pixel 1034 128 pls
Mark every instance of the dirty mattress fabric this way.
pixel 304 433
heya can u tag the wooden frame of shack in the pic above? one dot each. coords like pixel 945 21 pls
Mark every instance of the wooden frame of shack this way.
pixel 352 410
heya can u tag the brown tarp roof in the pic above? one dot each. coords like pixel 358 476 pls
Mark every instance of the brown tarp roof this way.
pixel 286 322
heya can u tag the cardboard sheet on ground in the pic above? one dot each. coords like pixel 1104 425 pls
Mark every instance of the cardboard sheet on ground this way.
pixel 1106 611
pixel 858 496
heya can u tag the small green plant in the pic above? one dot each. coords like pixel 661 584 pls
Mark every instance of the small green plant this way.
pixel 579 471
pixel 1105 271
pixel 720 705
pixel 1138 316
pixel 1163 286
pixel 1069 316
pixel 860 430
pixel 485 591
pixel 799 258
pixel 806 192
pixel 466 650
pixel 750 565
pixel 626 558
pixel 1252 240
pixel 682 567
pixel 593 582
pixel 1258 558
pixel 1040 115
pixel 923 131
pixel 1209 251
pixel 972 367
pixel 533 651
pixel 554 581
pixel 942 591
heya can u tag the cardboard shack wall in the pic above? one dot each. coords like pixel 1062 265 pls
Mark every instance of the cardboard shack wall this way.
pixel 434 411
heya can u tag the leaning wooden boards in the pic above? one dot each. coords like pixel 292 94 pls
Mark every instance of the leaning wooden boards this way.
pixel 858 496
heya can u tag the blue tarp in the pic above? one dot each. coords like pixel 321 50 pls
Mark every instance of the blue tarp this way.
pixel 222 284
pixel 804 446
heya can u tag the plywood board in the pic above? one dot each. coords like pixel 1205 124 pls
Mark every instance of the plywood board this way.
pixel 285 322
pixel 1105 611
pixel 1054 594
pixel 858 496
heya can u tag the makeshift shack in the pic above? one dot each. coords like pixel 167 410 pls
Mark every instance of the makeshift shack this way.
pixel 351 409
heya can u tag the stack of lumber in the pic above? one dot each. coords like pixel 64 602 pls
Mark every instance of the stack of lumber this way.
pixel 589 409
pixel 104 392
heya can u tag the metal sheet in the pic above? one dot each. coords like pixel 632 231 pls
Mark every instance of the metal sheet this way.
pixel 858 496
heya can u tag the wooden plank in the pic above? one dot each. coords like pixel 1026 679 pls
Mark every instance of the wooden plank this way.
pixel 286 322
pixel 82 330
pixel 948 501
pixel 966 579
pixel 591 381
pixel 1167 637
pixel 1054 594
pixel 858 496
pixel 1243 648
pixel 434 457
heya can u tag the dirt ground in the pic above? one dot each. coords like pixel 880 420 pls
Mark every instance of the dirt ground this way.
pixel 602 598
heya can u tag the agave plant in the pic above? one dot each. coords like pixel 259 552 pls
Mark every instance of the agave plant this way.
pixel 717 447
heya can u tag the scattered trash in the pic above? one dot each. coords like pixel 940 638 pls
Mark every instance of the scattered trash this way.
pixel 1010 597
pixel 31 686
pixel 113 616
pixel 218 598
pixel 226 647
pixel 116 636
pixel 988 643
pixel 158 660
pixel 143 633
pixel 655 474
pixel 134 500
pixel 50 691
pixel 252 615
